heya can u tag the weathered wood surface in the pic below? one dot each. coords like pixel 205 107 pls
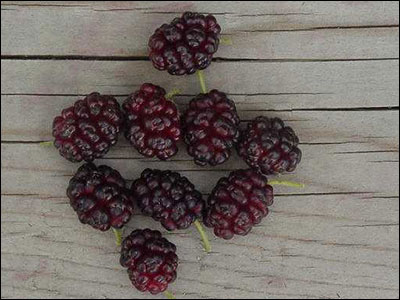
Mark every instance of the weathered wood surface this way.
pixel 330 69
pixel 302 30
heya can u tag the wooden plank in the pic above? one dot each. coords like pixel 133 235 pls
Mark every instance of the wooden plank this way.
pixel 313 126
pixel 292 30
pixel 326 168
pixel 292 253
pixel 345 84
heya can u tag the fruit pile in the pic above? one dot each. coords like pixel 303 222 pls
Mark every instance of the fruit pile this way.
pixel 153 126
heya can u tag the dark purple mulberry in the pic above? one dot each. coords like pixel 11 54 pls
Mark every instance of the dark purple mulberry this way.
pixel 152 122
pixel 169 198
pixel 88 129
pixel 211 128
pixel 151 260
pixel 237 203
pixel 186 44
pixel 270 147
pixel 99 197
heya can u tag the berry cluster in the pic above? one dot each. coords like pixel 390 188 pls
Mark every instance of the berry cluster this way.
pixel 168 197
pixel 151 260
pixel 269 146
pixel 186 44
pixel 153 126
pixel 88 129
pixel 211 126
pixel 152 122
pixel 100 198
pixel 238 202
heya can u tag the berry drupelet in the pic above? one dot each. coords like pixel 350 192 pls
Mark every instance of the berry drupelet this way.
pixel 152 122
pixel 151 260
pixel 100 198
pixel 87 130
pixel 186 44
pixel 238 202
pixel 270 147
pixel 211 128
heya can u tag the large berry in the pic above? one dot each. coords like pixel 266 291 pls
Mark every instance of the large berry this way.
pixel 169 198
pixel 238 202
pixel 186 44
pixel 152 122
pixel 100 198
pixel 151 260
pixel 88 129
pixel 211 128
pixel 269 146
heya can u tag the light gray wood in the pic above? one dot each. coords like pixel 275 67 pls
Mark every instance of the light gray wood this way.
pixel 329 168
pixel 329 69
pixel 313 125
pixel 293 253
pixel 308 30
pixel 333 84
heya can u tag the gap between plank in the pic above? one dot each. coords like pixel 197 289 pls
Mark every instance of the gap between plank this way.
pixel 372 108
pixel 319 28
pixel 215 59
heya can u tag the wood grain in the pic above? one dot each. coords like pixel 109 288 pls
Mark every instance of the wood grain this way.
pixel 308 30
pixel 329 69
pixel 311 84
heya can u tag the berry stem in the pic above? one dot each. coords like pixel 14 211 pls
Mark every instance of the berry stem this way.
pixel 169 295
pixel 200 75
pixel 206 242
pixel 118 236
pixel 225 40
pixel 287 183
pixel 46 144
pixel 172 93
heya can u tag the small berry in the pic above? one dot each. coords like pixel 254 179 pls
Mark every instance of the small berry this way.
pixel 169 198
pixel 152 122
pixel 99 197
pixel 211 128
pixel 186 44
pixel 88 129
pixel 151 260
pixel 270 147
pixel 238 202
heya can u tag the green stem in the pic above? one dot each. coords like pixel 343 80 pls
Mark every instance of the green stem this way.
pixel 206 242
pixel 46 144
pixel 287 183
pixel 169 295
pixel 200 75
pixel 172 93
pixel 225 40
pixel 118 236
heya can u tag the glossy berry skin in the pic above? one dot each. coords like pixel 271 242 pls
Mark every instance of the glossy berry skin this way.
pixel 100 198
pixel 270 147
pixel 87 130
pixel 152 122
pixel 169 198
pixel 237 203
pixel 151 260
pixel 186 44
pixel 211 128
